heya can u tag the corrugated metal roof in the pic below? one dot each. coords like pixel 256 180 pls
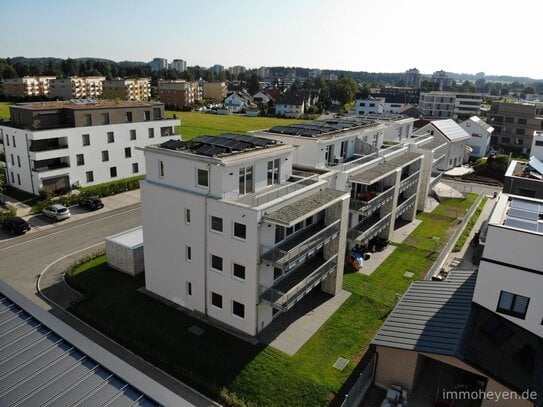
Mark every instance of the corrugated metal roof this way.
pixel 451 130
pixel 480 122
pixel 431 316
pixel 39 366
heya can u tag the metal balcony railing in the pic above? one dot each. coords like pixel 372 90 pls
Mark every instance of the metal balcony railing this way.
pixel 51 167
pixel 368 228
pixel 296 289
pixel 438 160
pixel 37 149
pixel 405 205
pixel 435 179
pixel 293 253
pixel 260 199
pixel 373 204
pixel 409 181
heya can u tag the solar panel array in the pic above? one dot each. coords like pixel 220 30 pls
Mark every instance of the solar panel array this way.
pixel 223 144
pixel 316 128
pixel 525 215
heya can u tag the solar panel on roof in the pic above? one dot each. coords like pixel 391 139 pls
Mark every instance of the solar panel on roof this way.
pixel 519 213
pixel 536 165
pixel 521 204
pixel 521 224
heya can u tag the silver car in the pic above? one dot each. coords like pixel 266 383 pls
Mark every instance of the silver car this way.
pixel 57 212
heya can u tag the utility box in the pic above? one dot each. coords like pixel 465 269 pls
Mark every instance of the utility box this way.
pixel 124 251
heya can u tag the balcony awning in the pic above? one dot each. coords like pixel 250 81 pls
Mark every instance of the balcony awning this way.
pixel 297 211
pixel 374 174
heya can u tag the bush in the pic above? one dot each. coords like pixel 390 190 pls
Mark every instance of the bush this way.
pixel 9 212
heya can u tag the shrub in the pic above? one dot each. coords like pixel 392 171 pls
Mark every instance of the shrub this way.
pixel 9 212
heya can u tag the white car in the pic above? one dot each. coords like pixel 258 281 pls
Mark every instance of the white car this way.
pixel 57 212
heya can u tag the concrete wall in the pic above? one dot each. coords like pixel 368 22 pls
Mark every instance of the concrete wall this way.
pixel 125 259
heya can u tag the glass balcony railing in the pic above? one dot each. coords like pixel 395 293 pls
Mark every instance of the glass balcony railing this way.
pixel 374 203
pixel 295 251
pixel 294 287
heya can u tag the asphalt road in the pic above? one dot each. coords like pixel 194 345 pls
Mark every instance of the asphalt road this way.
pixel 23 258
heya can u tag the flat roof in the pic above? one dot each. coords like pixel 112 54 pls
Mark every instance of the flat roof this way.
pixel 132 238
pixel 292 213
pixel 82 104
pixel 46 361
pixel 320 128
pixel 373 174
pixel 431 316
pixel 518 212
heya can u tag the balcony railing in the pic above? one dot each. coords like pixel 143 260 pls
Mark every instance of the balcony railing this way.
pixel 356 162
pixel 293 253
pixel 438 160
pixel 435 179
pixel 368 228
pixel 257 200
pixel 287 293
pixel 38 149
pixel 373 204
pixel 51 167
pixel 409 181
pixel 404 206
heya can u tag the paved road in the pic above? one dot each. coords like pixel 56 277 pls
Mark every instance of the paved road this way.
pixel 23 258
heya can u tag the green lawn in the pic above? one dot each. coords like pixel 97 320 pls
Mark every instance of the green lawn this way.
pixel 4 110
pixel 471 223
pixel 219 364
pixel 195 124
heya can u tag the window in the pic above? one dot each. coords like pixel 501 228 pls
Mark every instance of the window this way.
pixel 160 168
pixel 7 139
pixel 362 104
pixel 507 130
pixel 110 137
pixel 202 178
pixel 19 161
pixel 518 141
pixel 127 152
pixel 90 176
pixel 13 139
pixel 539 143
pixel 216 224
pixel 309 221
pixel 273 172
pixel 12 159
pixel 105 118
pixel 240 230
pixel 372 104
pixel 513 304
pixel 238 271
pixel 290 231
pixel 19 179
pixel 298 226
pixel 509 120
pixel 238 309
pixel 279 233
pixel 12 177
pixel 147 115
pixel 132 134
pixel 506 140
pixel 187 216
pixel 105 155
pixel 216 299
pixel 113 172
pixel 87 119
pixel 277 272
pixel 522 121
pixel 80 159
pixel 189 288
pixel 86 139
pixel 135 168
pixel 246 180
pixel 128 117
pixel 520 132
pixel 188 253
pixel 344 148
pixel 151 132
pixel 216 263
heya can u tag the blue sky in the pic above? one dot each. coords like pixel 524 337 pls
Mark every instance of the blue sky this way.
pixel 386 35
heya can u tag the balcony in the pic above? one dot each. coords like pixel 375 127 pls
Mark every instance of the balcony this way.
pixel 405 205
pixel 368 228
pixel 295 286
pixel 438 160
pixel 278 191
pixel 436 177
pixel 294 252
pixel 50 164
pixel 374 203
pixel 411 180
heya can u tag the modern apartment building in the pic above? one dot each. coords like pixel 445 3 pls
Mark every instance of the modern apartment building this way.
pixel 236 70
pixel 179 93
pixel 480 132
pixel 412 78
pixel 441 80
pixel 515 123
pixel 537 145
pixel 235 232
pixel 179 65
pixel 450 105
pixel 27 86
pixel 524 178
pixel 58 145
pixel 158 64
pixel 77 88
pixel 216 91
pixel 127 89
pixel 369 105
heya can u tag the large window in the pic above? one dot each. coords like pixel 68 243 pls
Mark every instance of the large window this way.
pixel 113 172
pixel 238 271
pixel 90 176
pixel 135 168
pixel 151 132
pixel 216 263
pixel 216 224
pixel 88 119
pixel 238 309
pixel 132 134
pixel 86 139
pixel 273 172
pixel 128 117
pixel 513 304
pixel 110 137
pixel 246 180
pixel 202 178
pixel 127 152
pixel 80 158
pixel 105 155
pixel 216 299
pixel 240 230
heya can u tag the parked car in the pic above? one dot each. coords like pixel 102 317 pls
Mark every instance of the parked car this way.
pixel 57 212
pixel 16 225
pixel 92 203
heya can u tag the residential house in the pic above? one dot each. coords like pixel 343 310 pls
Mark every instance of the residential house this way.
pixel 60 145
pixel 514 124
pixel 411 111
pixel 236 102
pixel 27 86
pixel 179 93
pixel 455 137
pixel 453 105
pixel 369 105
pixel 261 97
pixel 291 104
pixel 89 87
pixel 127 89
pixel 480 132
pixel 216 91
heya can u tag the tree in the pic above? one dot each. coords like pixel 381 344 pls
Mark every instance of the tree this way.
pixel 344 90
pixel 253 86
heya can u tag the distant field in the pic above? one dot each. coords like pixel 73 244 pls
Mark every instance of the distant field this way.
pixel 195 124
pixel 4 110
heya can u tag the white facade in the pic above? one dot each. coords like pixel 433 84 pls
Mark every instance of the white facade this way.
pixel 510 276
pixel 480 133
pixel 158 64
pixel 450 104
pixel 369 106
pixel 289 110
pixel 537 145
pixel 235 103
pixel 179 65
pixel 76 87
pixel 261 97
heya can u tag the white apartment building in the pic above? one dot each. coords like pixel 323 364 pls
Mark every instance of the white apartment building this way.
pixel 537 145
pixel 234 232
pixel 76 87
pixel 179 65
pixel 59 145
pixel 27 86
pixel 158 64
pixel 370 105
pixel 453 105
pixel 480 132
pixel 455 137
pixel 127 89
